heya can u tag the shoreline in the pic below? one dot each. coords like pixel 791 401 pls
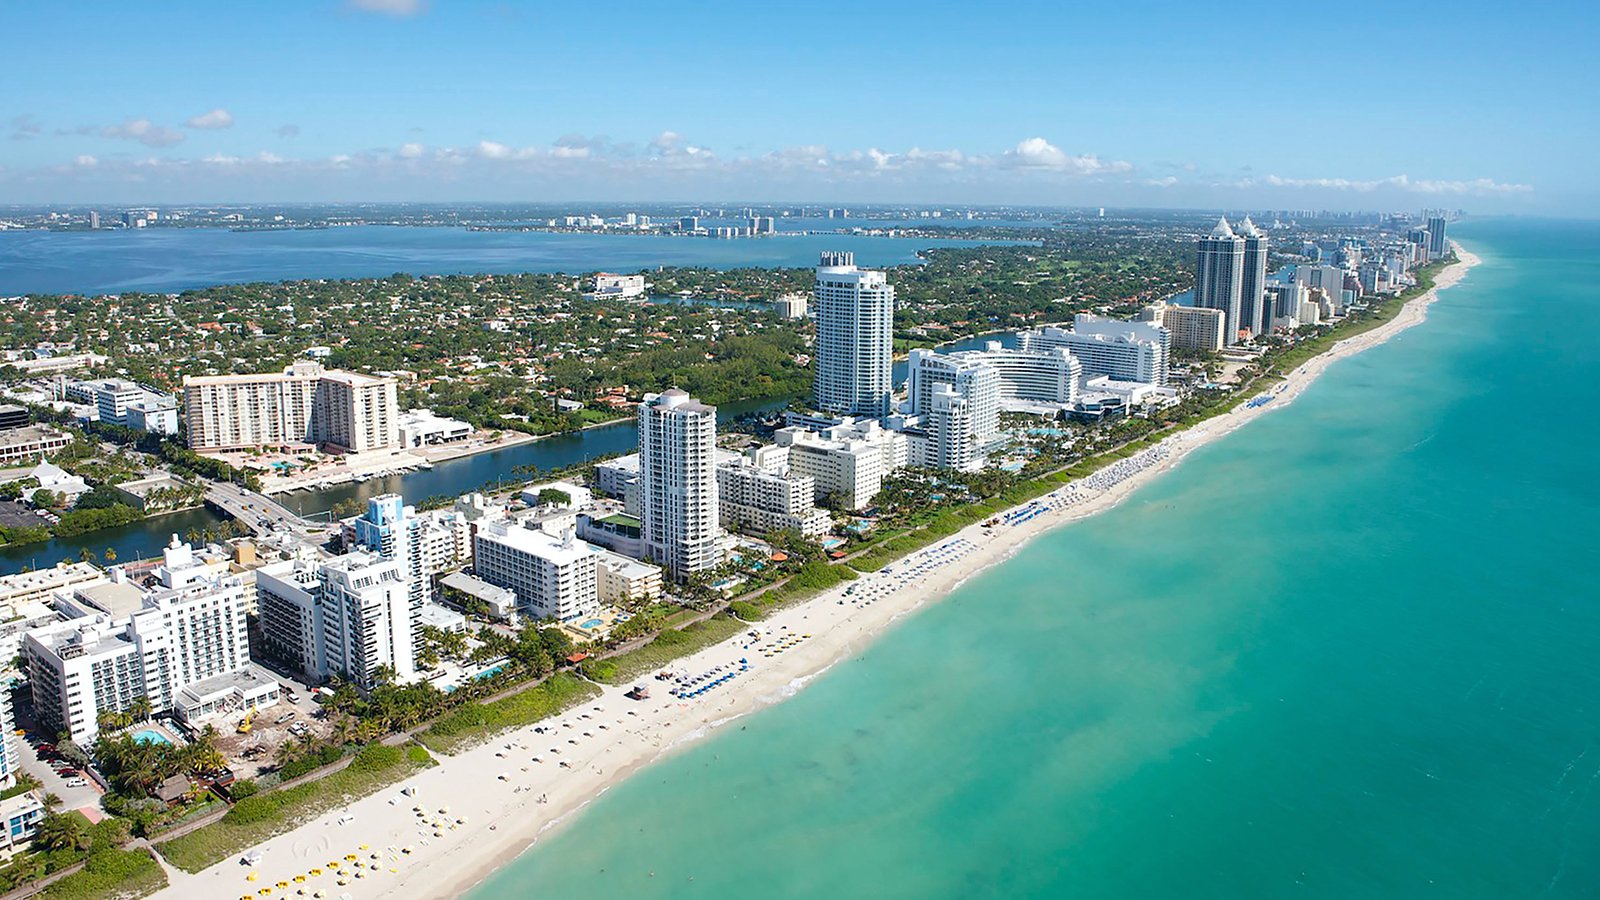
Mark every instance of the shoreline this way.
pixel 607 739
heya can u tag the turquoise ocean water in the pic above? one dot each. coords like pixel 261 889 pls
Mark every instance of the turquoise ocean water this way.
pixel 1352 650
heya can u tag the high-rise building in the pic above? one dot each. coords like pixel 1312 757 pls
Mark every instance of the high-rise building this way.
pixel 290 619
pixel 367 618
pixel 393 530
pixel 855 338
pixel 678 483
pixel 1219 275
pixel 1030 376
pixel 1126 351
pixel 958 399
pixel 1437 245
pixel 305 404
pixel 94 219
pixel 1253 315
pixel 120 643
pixel 553 575
pixel 1196 328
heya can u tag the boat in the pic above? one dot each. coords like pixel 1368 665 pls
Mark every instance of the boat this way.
pixel 425 465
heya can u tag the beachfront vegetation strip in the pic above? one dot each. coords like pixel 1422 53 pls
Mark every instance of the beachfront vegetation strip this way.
pixel 475 723
pixel 110 875
pixel 663 649
pixel 257 818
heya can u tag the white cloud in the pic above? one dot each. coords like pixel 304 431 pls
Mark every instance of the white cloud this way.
pixel 1038 153
pixel 85 161
pixel 399 8
pixel 217 118
pixel 144 131
pixel 409 151
pixel 1168 181
pixel 493 150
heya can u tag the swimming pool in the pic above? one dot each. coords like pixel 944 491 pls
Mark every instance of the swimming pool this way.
pixel 592 623
pixel 148 736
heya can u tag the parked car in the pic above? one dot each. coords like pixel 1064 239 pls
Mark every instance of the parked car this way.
pixel 77 782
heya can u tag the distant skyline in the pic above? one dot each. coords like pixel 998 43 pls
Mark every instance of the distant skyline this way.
pixel 1484 107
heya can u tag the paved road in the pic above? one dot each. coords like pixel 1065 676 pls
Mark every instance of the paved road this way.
pixel 259 511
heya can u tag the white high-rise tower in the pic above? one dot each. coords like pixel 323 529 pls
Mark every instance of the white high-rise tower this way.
pixel 1219 275
pixel 678 483
pixel 855 338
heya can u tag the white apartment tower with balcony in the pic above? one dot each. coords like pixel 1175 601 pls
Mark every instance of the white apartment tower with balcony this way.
pixel 368 620
pixel 855 338
pixel 678 483
pixel 304 404
pixel 957 398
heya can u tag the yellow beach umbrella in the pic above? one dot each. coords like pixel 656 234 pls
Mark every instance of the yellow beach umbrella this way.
pixel 252 876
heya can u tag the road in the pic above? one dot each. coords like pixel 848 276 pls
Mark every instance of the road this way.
pixel 260 512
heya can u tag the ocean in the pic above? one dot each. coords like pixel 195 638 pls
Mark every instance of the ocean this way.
pixel 1351 650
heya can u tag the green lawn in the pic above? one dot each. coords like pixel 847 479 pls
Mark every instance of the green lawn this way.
pixel 667 646
pixel 107 874
pixel 475 723
pixel 257 818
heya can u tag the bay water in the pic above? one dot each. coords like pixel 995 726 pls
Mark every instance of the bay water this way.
pixel 1351 650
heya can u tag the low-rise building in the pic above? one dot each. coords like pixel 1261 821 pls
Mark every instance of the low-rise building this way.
pixel 759 493
pixel 30 442
pixel 847 461
pixel 225 694
pixel 501 602
pixel 421 428
pixel 620 579
pixel 20 816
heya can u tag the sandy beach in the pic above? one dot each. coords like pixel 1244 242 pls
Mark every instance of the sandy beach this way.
pixel 477 810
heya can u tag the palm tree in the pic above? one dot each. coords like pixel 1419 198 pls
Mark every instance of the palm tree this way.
pixel 287 752
pixel 84 555
pixel 63 831
pixel 111 554
pixel 140 710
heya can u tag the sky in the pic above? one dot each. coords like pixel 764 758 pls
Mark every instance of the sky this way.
pixel 1486 107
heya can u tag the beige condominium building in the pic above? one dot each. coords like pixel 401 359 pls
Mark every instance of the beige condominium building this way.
pixel 304 404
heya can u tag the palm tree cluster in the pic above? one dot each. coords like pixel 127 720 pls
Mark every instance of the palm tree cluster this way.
pixel 136 768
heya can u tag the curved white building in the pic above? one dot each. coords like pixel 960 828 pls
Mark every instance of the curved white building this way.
pixel 1047 375
pixel 1126 351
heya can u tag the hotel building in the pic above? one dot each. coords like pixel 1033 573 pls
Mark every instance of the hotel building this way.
pixel 1126 351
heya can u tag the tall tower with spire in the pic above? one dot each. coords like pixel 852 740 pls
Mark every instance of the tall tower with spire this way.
pixel 1219 276
pixel 1254 317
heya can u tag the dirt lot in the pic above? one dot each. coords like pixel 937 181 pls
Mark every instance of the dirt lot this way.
pixel 251 755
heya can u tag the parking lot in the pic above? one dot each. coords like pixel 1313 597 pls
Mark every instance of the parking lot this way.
pixel 83 793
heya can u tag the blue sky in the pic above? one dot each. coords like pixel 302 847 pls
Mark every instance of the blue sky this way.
pixel 1490 107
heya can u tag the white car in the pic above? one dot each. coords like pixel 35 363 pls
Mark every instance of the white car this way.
pixel 77 782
